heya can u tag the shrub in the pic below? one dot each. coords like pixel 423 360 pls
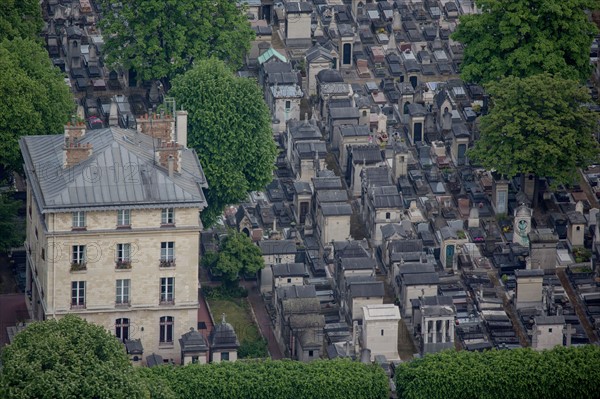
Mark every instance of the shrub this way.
pixel 559 373
pixel 281 379
pixel 253 349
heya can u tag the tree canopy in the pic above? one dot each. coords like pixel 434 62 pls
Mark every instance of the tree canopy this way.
pixel 162 38
pixel 237 255
pixel 282 379
pixel 526 37
pixel 68 358
pixel 35 98
pixel 539 125
pixel 230 128
pixel 565 373
pixel 20 18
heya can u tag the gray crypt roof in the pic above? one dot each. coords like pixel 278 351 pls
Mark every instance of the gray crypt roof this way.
pixel 223 336
pixel 193 341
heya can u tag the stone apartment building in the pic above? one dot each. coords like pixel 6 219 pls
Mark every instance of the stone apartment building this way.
pixel 113 230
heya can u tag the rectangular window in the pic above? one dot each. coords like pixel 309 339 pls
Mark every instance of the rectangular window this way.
pixel 166 330
pixel 123 258
pixel 123 252
pixel 225 356
pixel 382 333
pixel 167 254
pixel 124 218
pixel 167 216
pixel 123 288
pixel 78 294
pixel 288 105
pixel 167 290
pixel 311 353
pixel 122 329
pixel 43 254
pixel 78 261
pixel 79 220
pixel 78 254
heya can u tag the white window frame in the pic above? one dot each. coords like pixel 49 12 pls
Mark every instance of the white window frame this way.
pixel 167 289
pixel 124 218
pixel 166 329
pixel 123 291
pixel 78 254
pixel 78 294
pixel 124 252
pixel 167 251
pixel 78 220
pixel 167 216
pixel 122 328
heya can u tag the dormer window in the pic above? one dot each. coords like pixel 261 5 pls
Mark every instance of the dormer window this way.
pixel 78 220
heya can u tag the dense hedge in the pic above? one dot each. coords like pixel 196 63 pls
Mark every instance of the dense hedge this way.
pixel 520 373
pixel 327 379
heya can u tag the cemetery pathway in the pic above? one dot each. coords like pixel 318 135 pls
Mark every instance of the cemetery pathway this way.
pixel 262 319
pixel 509 309
pixel 204 316
pixel 12 310
pixel 574 298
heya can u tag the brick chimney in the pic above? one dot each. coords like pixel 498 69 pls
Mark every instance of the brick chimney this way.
pixel 168 155
pixel 74 152
pixel 74 130
pixel 160 126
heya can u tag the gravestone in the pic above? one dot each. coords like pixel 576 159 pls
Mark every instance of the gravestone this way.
pixel 473 221
pixel 593 216
pixel 397 22
pixel 500 196
pixel 522 225
pixel 463 206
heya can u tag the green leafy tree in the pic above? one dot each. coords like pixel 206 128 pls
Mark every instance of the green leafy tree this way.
pixel 539 125
pixel 282 379
pixel 20 18
pixel 12 229
pixel 237 255
pixel 230 128
pixel 526 37
pixel 35 98
pixel 561 373
pixel 162 38
pixel 68 358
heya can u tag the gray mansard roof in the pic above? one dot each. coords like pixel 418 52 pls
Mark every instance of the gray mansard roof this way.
pixel 120 173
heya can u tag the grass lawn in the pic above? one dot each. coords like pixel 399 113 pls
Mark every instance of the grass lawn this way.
pixel 238 314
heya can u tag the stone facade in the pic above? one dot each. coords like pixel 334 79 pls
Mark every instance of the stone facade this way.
pixel 50 279
pixel 116 244
pixel 380 328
